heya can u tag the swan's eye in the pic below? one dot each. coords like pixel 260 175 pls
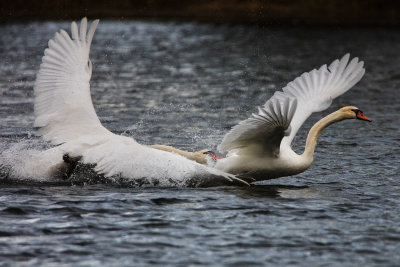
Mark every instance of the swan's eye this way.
pixel 360 115
pixel 358 112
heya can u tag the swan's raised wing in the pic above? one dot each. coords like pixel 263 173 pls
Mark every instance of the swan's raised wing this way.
pixel 264 130
pixel 63 105
pixel 316 89
pixel 312 91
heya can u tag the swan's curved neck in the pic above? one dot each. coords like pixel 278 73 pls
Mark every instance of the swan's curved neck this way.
pixel 316 130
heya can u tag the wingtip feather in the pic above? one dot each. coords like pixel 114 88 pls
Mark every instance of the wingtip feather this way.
pixel 74 31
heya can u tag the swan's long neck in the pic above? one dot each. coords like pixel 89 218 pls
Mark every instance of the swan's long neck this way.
pixel 316 130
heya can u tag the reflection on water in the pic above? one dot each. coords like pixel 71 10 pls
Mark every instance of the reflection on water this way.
pixel 185 85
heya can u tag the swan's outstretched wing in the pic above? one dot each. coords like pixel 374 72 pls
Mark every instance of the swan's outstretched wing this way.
pixel 316 89
pixel 63 105
pixel 264 130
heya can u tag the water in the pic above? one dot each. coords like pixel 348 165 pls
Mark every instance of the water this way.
pixel 185 85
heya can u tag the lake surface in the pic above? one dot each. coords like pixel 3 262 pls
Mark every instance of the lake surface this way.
pixel 185 85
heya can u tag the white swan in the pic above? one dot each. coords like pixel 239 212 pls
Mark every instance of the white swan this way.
pixel 66 117
pixel 259 147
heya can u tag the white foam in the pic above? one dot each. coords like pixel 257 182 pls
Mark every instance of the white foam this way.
pixel 27 160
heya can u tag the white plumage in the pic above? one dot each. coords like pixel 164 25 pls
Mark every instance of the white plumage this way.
pixel 260 146
pixel 316 89
pixel 63 105
pixel 65 114
pixel 266 129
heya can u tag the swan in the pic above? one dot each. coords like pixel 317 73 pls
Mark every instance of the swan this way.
pixel 260 146
pixel 66 118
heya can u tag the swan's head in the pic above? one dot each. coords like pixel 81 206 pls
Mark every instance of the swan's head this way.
pixel 352 112
pixel 210 154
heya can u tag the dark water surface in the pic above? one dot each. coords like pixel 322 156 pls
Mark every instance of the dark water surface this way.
pixel 185 85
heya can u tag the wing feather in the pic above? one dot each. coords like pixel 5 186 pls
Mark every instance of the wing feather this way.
pixel 63 106
pixel 316 89
pixel 74 30
pixel 267 128
pixel 91 32
pixel 82 31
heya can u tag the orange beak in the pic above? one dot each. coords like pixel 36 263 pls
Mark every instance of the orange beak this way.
pixel 361 116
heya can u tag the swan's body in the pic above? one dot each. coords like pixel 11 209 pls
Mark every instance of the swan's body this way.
pixel 259 147
pixel 65 114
